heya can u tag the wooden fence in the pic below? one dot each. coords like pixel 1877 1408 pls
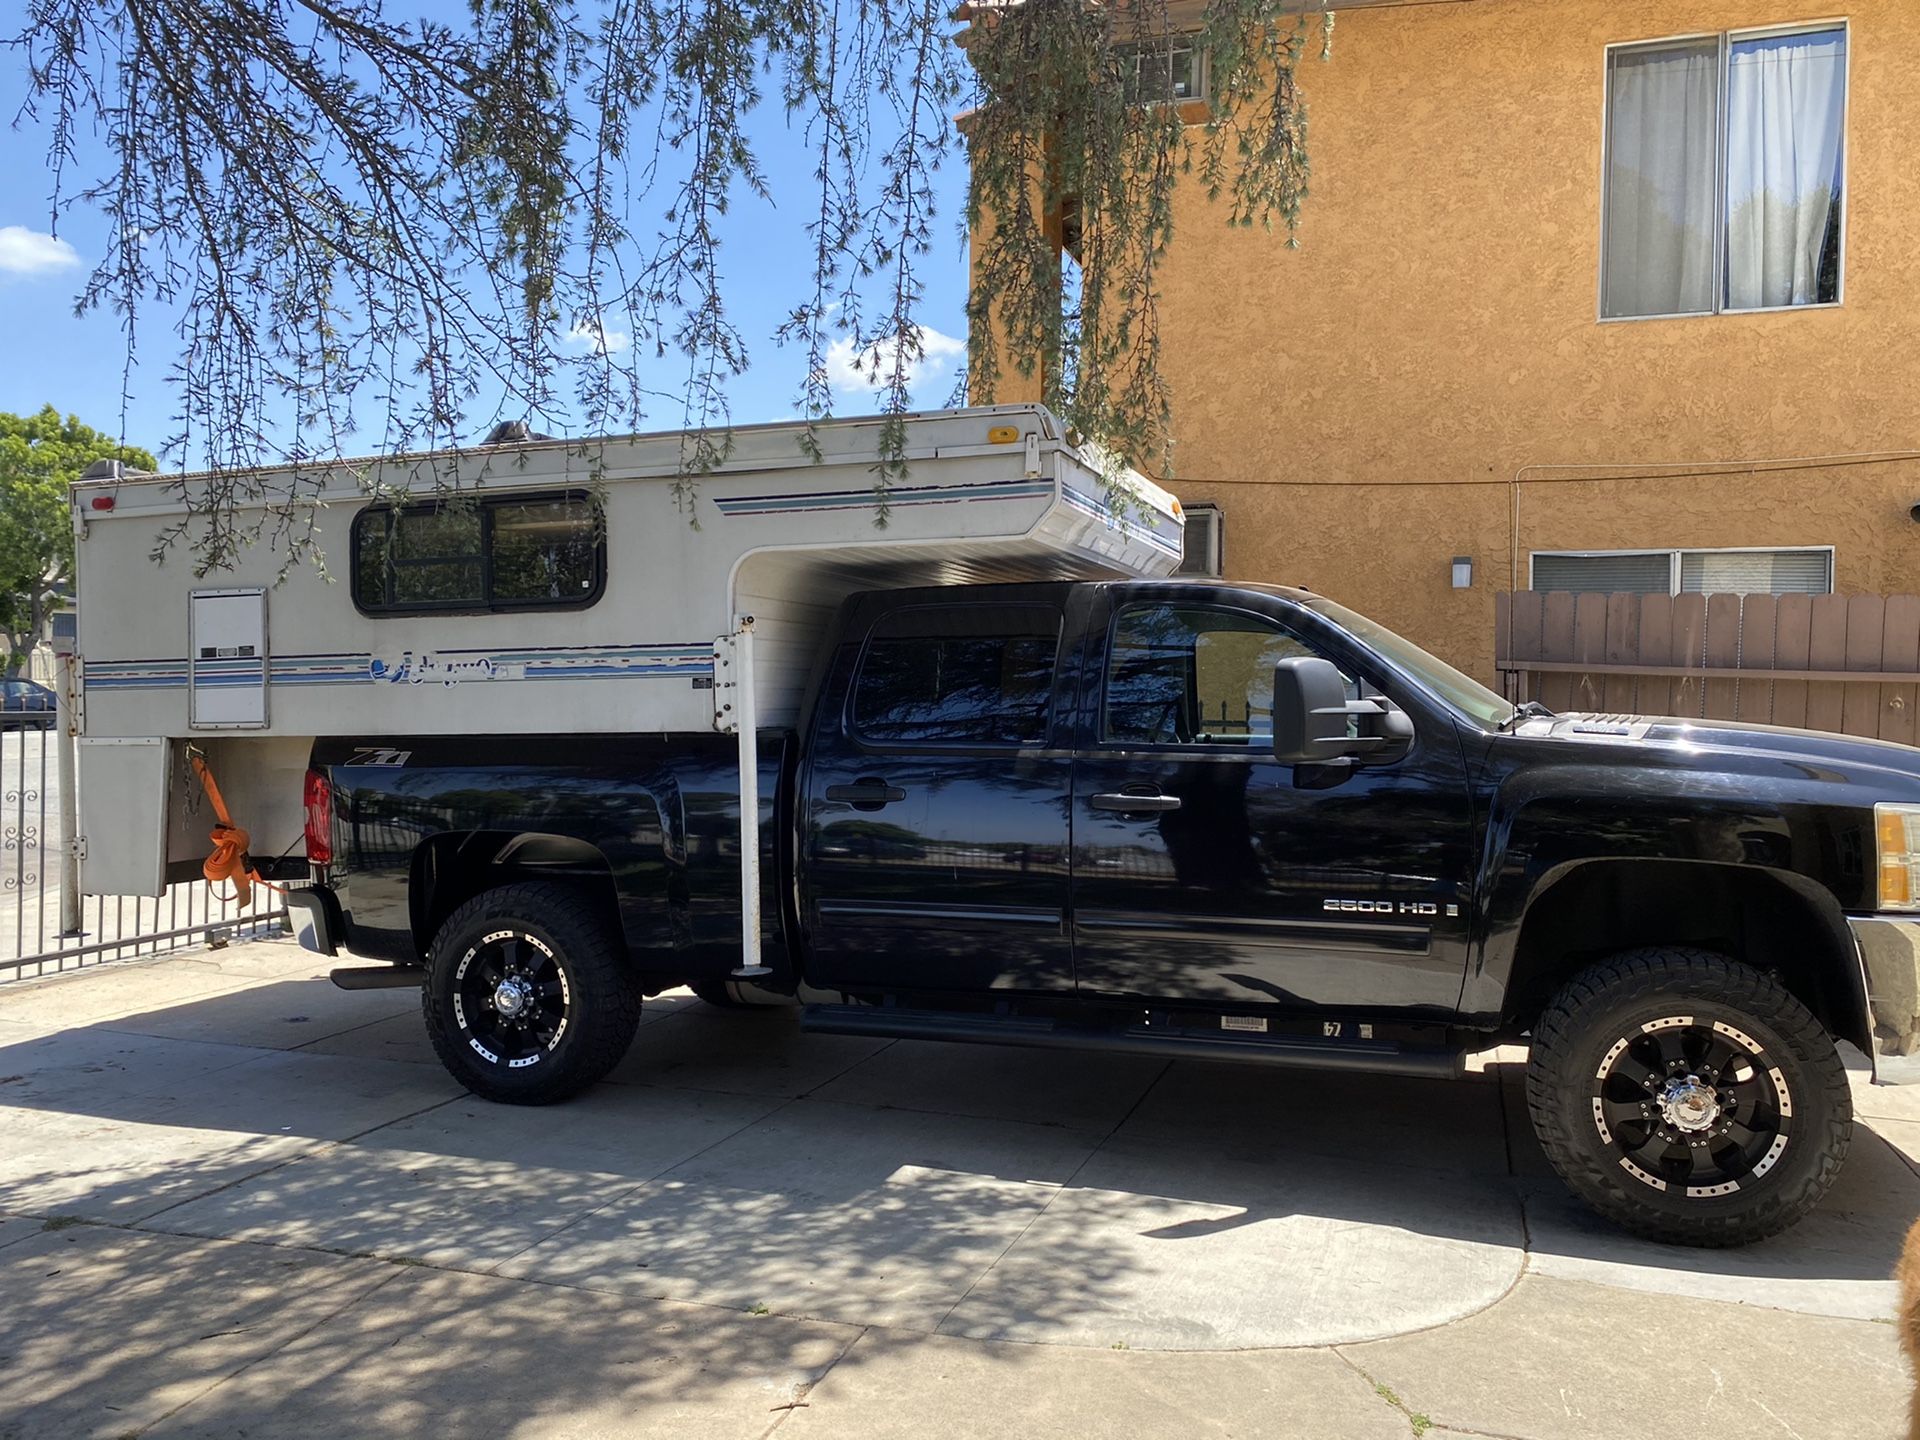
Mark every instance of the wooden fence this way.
pixel 1826 662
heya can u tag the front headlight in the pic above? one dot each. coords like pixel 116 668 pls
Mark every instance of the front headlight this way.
pixel 1898 830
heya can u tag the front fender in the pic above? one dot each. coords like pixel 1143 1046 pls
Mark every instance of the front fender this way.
pixel 1548 824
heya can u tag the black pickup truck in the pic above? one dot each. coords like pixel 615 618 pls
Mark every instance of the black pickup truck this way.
pixel 1187 819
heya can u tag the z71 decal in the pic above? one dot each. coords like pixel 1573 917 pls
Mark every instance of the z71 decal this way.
pixel 379 755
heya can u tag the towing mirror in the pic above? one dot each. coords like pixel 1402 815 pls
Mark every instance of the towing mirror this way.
pixel 1315 724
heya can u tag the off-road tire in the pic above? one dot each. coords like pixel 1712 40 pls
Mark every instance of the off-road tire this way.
pixel 1611 1003
pixel 563 926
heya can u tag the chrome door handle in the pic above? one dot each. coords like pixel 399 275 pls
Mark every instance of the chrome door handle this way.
pixel 1126 802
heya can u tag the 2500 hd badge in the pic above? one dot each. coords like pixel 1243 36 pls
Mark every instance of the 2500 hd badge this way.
pixel 1386 907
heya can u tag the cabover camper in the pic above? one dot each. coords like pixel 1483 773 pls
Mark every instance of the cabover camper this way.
pixel 992 773
pixel 571 588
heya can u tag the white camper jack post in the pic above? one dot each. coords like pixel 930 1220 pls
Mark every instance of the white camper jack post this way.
pixel 733 655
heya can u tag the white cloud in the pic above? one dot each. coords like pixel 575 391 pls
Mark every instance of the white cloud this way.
pixel 858 372
pixel 28 252
pixel 597 337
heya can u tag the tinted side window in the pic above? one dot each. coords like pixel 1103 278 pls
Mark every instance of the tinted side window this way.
pixel 958 674
pixel 511 553
pixel 1187 675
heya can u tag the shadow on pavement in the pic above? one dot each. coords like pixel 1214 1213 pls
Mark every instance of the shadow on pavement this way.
pixel 1080 1199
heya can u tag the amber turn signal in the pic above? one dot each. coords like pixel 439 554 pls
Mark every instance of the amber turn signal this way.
pixel 1897 836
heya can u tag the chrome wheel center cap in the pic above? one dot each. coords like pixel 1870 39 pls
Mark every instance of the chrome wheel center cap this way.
pixel 512 996
pixel 1689 1104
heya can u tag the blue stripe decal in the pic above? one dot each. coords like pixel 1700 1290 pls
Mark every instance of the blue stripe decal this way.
pixel 410 667
pixel 1131 528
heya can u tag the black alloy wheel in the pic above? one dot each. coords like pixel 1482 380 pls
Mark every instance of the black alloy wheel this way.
pixel 1692 1104
pixel 510 998
pixel 529 995
pixel 1688 1097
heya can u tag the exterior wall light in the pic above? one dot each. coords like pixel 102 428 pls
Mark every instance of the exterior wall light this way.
pixel 1463 572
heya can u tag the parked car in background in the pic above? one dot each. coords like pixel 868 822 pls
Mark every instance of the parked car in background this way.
pixel 25 705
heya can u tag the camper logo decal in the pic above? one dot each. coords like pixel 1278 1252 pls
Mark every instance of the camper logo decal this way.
pixel 429 668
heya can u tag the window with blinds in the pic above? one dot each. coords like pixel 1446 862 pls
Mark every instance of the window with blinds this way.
pixel 1674 572
pixel 1647 573
pixel 1757 572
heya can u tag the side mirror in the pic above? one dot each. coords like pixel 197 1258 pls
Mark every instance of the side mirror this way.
pixel 1315 724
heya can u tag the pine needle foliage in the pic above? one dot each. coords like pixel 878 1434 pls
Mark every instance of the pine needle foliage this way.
pixel 393 231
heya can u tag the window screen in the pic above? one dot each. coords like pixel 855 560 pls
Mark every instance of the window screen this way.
pixel 543 550
pixel 958 675
pixel 1757 572
pixel 510 553
pixel 1650 573
pixel 1187 675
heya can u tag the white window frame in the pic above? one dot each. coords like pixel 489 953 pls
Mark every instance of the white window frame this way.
pixel 1134 51
pixel 1674 557
pixel 1726 39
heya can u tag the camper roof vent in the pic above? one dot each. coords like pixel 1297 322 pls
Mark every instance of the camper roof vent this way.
pixel 513 432
pixel 110 470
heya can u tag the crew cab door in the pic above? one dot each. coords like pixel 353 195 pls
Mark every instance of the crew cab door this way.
pixel 1206 871
pixel 934 833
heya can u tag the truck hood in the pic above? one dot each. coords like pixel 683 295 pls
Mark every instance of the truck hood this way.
pixel 1684 743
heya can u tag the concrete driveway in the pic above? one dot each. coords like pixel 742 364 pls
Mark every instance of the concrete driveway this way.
pixel 235 1201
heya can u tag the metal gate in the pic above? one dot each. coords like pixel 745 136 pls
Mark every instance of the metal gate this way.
pixel 33 855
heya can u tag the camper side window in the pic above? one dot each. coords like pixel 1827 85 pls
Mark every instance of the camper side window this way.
pixel 521 552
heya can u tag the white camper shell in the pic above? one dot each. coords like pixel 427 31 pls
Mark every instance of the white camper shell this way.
pixel 251 664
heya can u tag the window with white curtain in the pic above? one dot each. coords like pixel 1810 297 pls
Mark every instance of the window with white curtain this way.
pixel 1674 572
pixel 1725 160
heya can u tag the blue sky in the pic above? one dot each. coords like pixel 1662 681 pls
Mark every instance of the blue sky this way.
pixel 76 363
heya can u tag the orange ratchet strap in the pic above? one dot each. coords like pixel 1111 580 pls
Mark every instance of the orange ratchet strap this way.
pixel 229 860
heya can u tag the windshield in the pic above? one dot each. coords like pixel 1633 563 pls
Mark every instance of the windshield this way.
pixel 1461 691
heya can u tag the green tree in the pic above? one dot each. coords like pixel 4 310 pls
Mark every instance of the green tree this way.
pixel 40 455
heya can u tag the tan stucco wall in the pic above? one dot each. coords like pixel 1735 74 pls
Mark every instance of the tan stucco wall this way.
pixel 1360 405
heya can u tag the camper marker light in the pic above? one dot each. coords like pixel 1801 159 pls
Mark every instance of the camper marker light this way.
pixel 1003 435
pixel 1897 829
pixel 101 502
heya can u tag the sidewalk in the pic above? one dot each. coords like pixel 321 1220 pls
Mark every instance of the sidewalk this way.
pixel 235 1201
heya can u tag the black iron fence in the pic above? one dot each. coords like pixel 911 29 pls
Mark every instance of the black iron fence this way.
pixel 35 937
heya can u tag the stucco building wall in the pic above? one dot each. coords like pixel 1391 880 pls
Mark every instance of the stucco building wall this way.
pixel 1362 406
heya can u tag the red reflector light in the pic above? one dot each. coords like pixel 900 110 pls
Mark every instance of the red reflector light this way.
pixel 101 502
pixel 319 818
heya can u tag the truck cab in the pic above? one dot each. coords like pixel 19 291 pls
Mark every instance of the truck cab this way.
pixel 1074 791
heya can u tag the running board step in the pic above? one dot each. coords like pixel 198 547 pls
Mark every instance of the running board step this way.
pixel 1375 1057
pixel 378 977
